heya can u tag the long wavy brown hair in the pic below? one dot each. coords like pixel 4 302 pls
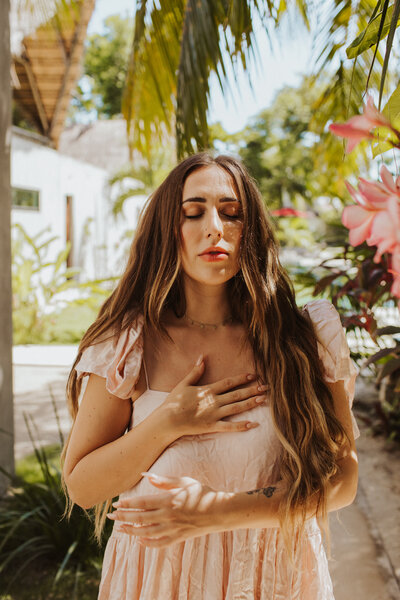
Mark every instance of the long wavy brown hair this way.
pixel 262 297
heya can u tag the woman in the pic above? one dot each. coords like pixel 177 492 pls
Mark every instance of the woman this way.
pixel 202 368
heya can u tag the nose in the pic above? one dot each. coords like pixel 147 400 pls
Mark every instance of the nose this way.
pixel 214 225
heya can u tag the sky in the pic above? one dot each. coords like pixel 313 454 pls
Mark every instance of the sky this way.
pixel 290 58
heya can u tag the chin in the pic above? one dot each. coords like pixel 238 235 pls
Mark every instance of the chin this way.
pixel 211 278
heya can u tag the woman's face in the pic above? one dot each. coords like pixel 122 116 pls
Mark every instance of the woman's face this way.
pixel 211 226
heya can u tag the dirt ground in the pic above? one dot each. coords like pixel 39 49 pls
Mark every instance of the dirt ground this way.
pixel 379 489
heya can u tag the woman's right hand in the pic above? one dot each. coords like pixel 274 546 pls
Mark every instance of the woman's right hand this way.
pixel 200 409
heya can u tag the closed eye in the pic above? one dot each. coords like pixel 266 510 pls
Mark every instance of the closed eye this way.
pixel 201 214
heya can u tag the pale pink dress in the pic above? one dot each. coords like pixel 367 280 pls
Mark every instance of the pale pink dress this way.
pixel 245 564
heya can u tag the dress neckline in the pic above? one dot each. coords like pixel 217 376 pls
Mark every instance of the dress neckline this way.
pixel 154 391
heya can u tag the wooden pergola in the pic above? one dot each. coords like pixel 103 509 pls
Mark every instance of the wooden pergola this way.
pixel 48 66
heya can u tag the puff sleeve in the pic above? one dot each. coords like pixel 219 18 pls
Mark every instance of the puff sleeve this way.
pixel 333 349
pixel 118 360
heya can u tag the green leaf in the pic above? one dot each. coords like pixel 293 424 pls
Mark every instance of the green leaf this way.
pixel 62 257
pixel 393 25
pixel 386 138
pixel 67 556
pixel 369 37
pixel 391 110
pixel 381 354
pixel 389 368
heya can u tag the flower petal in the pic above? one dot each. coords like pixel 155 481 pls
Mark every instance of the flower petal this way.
pixel 387 179
pixel 382 231
pixel 358 235
pixel 373 115
pixel 354 216
pixel 375 193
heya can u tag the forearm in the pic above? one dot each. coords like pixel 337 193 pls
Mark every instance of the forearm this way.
pixel 117 466
pixel 260 508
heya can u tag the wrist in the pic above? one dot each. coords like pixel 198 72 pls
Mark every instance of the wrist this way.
pixel 247 510
pixel 167 424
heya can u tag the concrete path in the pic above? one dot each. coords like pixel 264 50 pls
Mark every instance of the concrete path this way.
pixel 360 567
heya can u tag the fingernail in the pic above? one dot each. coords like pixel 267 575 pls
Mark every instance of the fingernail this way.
pixel 199 360
pixel 262 388
pixel 251 425
pixel 260 399
pixel 151 475
pixel 251 377
pixel 116 504
pixel 111 516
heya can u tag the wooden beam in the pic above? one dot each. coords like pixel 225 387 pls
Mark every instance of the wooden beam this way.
pixel 70 74
pixel 36 94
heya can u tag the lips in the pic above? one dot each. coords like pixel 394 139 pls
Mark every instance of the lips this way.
pixel 214 251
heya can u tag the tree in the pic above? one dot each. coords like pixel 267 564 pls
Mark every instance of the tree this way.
pixel 282 148
pixel 6 397
pixel 177 44
pixel 105 68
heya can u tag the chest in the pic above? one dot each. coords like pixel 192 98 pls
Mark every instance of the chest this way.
pixel 169 361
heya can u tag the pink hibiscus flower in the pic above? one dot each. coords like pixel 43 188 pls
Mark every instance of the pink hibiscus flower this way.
pixel 359 127
pixel 373 218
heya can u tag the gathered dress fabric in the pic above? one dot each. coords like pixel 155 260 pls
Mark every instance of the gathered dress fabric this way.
pixel 243 564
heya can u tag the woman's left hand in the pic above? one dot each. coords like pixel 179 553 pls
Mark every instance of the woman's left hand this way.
pixel 187 509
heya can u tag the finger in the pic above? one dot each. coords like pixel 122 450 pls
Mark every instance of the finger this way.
pixel 142 502
pixel 229 426
pixel 194 375
pixel 241 394
pixel 152 531
pixel 229 383
pixel 239 407
pixel 136 518
pixel 161 542
pixel 168 482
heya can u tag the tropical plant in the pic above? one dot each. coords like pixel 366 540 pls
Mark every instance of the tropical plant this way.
pixel 139 180
pixel 388 383
pixel 39 287
pixel 376 215
pixel 177 45
pixel 375 219
pixel 33 527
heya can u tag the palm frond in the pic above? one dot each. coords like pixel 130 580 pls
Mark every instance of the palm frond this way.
pixel 393 24
pixel 177 45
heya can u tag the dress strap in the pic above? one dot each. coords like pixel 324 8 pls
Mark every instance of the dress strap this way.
pixel 145 374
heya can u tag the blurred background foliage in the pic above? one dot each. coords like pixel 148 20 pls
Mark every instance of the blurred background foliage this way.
pixel 50 304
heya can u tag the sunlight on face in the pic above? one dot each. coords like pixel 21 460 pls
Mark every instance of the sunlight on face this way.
pixel 211 226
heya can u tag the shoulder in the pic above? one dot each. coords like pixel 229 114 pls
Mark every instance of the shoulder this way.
pixel 333 350
pixel 117 357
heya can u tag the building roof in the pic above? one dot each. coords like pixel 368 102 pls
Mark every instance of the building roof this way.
pixel 102 143
pixel 46 66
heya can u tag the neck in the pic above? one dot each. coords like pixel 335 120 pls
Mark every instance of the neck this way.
pixel 206 304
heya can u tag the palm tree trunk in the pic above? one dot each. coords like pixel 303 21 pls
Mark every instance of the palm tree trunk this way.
pixel 6 395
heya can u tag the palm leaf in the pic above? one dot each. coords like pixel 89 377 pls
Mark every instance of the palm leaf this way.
pixel 376 30
pixel 177 45
pixel 389 44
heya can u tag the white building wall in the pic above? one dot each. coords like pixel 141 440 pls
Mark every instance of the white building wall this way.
pixel 39 167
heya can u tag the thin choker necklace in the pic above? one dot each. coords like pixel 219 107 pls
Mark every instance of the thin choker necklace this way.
pixel 204 325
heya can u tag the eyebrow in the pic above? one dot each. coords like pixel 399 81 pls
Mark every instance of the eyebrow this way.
pixel 203 200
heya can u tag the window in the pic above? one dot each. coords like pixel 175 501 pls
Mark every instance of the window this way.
pixel 25 198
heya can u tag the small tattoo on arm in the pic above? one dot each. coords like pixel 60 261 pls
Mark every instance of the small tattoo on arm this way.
pixel 268 491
